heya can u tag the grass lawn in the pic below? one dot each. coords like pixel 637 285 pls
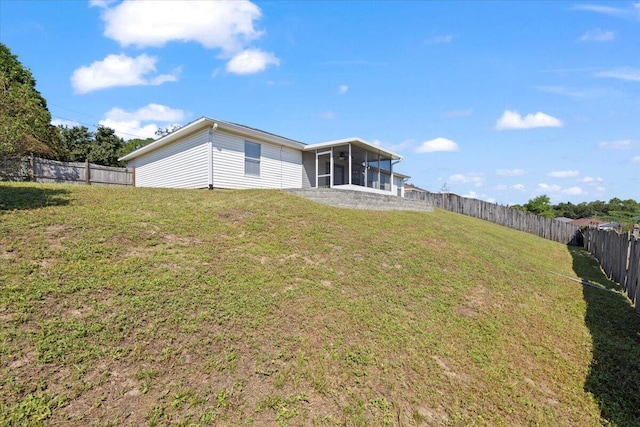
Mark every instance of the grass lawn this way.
pixel 128 306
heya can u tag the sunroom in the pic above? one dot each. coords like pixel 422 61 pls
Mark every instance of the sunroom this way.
pixel 352 164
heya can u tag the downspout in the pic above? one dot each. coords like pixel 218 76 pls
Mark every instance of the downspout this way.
pixel 211 131
pixel 281 167
pixel 393 181
pixel 331 169
pixel 350 164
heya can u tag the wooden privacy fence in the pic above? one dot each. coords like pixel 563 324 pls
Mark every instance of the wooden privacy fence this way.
pixel 547 228
pixel 44 170
pixel 619 256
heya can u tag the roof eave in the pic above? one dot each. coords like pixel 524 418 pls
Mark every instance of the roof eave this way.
pixel 167 139
pixel 205 122
pixel 354 140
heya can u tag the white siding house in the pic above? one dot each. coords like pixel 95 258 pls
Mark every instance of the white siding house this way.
pixel 180 165
pixel 209 153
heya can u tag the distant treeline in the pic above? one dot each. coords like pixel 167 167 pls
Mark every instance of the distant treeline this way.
pixel 623 211
pixel 614 210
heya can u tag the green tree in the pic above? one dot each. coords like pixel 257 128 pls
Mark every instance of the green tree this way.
pixel 106 147
pixel 566 210
pixel 166 131
pixel 75 143
pixel 25 121
pixel 540 205
pixel 133 144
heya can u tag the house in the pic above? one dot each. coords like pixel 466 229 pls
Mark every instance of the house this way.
pixel 610 226
pixel 413 190
pixel 211 153
pixel 586 222
pixel 563 219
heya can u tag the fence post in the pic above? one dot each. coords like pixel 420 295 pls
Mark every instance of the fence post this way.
pixel 87 172
pixel 32 169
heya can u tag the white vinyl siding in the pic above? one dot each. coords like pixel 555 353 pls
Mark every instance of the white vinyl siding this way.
pixel 183 164
pixel 398 186
pixel 280 166
pixel 251 158
pixel 309 169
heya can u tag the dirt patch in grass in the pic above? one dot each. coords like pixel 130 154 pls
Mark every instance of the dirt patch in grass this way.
pixel 234 215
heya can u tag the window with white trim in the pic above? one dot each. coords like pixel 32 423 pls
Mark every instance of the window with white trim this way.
pixel 251 158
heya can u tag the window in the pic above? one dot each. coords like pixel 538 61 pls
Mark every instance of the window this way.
pixel 251 158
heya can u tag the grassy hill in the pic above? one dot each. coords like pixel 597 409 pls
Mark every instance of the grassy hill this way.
pixel 122 306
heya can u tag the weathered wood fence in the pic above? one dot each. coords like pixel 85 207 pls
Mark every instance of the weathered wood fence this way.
pixel 547 228
pixel 43 170
pixel 619 256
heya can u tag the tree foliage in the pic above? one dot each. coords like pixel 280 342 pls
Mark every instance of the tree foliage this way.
pixel 540 205
pixel 75 143
pixel 106 147
pixel 625 211
pixel 102 147
pixel 166 131
pixel 25 125
pixel 614 210
pixel 134 144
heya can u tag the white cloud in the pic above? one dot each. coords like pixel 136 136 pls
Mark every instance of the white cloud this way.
pixel 143 122
pixel 394 147
pixel 598 35
pixel 563 174
pixel 513 120
pixel 580 93
pixel 439 39
pixel 250 61
pixel 557 192
pixel 100 3
pixel 474 195
pixel 477 179
pixel 621 144
pixel 437 144
pixel 63 122
pixel 624 73
pixel 328 115
pixel 131 129
pixel 343 89
pixel 519 187
pixel 509 172
pixel 457 113
pixel 118 70
pixel 573 191
pixel 149 112
pixel 227 25
pixel 590 179
pixel 611 11
pixel 549 188
pixel 500 187
pixel 636 159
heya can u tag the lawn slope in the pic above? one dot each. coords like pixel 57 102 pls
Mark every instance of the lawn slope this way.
pixel 122 306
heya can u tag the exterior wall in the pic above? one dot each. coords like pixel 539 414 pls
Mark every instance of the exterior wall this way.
pixel 183 164
pixel 280 167
pixel 309 169
pixel 398 186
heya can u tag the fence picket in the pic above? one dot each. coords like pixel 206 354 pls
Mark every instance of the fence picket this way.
pixel 547 228
pixel 44 170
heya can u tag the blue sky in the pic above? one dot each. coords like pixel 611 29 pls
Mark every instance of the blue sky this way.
pixel 501 101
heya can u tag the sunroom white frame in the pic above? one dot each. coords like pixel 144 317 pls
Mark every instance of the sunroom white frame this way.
pixel 370 153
